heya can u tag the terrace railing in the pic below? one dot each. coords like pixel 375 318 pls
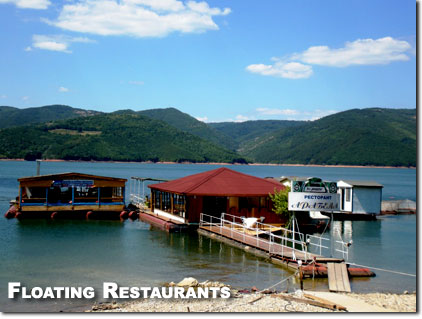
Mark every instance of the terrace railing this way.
pixel 289 241
pixel 341 246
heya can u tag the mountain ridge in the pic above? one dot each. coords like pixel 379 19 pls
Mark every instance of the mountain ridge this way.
pixel 356 137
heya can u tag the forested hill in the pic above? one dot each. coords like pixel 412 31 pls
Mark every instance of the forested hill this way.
pixel 120 137
pixel 248 131
pixel 12 116
pixel 189 124
pixel 374 136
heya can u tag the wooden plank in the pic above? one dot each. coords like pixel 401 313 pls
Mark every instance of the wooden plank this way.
pixel 332 282
pixel 325 301
pixel 307 301
pixel 345 277
pixel 328 260
pixel 338 278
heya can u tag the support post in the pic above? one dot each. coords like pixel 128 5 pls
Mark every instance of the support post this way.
pixel 124 195
pixel 99 195
pixel 143 192
pixel 139 192
pixel 301 277
pixel 294 244
pixel 38 167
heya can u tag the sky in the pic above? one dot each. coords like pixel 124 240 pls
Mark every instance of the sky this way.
pixel 216 60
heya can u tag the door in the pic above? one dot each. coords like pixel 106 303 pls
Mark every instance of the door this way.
pixel 214 206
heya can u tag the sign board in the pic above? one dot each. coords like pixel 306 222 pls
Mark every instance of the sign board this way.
pixel 314 194
pixel 73 183
pixel 314 185
pixel 313 201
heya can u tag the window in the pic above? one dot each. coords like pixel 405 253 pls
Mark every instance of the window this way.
pixel 156 199
pixel 117 191
pixel 33 194
pixel 348 191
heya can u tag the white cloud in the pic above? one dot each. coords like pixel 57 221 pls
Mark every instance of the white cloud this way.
pixel 204 8
pixel 138 18
pixel 241 118
pixel 202 119
pixel 29 4
pixel 159 5
pixel 63 89
pixel 289 70
pixel 267 111
pixel 25 98
pixel 51 45
pixel 3 96
pixel 59 43
pixel 292 114
pixel 360 52
pixel 28 49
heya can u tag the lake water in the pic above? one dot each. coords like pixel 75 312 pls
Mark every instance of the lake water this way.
pixel 87 253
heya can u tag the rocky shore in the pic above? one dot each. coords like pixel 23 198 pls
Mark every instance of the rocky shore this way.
pixel 266 301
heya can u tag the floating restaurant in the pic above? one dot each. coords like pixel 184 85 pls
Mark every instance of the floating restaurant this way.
pixel 69 195
pixel 214 192
pixel 223 204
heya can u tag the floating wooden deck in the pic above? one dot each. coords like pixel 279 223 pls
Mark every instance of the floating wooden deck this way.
pixel 272 248
pixel 166 224
pixel 283 250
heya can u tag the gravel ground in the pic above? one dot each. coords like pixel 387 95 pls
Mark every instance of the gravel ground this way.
pixel 250 301
pixel 254 303
pixel 399 303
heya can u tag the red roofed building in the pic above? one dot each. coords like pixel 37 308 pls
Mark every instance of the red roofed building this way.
pixel 215 192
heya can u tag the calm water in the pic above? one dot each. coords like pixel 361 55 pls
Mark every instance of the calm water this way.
pixel 87 253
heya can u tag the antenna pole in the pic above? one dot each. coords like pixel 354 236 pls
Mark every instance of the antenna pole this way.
pixel 38 167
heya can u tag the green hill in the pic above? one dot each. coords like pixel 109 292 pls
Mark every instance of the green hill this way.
pixel 374 136
pixel 248 131
pixel 121 137
pixel 189 124
pixel 356 137
pixel 12 116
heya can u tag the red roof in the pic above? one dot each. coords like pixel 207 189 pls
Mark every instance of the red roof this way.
pixel 220 182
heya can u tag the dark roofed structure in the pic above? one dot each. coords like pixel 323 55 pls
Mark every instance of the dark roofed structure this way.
pixel 220 182
pixel 215 192
pixel 50 178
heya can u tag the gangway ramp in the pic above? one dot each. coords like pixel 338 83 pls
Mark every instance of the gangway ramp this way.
pixel 338 277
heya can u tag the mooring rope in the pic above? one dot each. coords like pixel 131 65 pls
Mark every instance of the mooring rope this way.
pixel 386 270
pixel 278 283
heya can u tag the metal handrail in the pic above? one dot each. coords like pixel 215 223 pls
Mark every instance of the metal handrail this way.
pixel 344 246
pixel 318 245
pixel 283 241
pixel 344 249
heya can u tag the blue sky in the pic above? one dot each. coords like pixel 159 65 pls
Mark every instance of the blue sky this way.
pixel 215 60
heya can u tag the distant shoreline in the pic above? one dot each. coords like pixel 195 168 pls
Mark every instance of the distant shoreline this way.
pixel 213 163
